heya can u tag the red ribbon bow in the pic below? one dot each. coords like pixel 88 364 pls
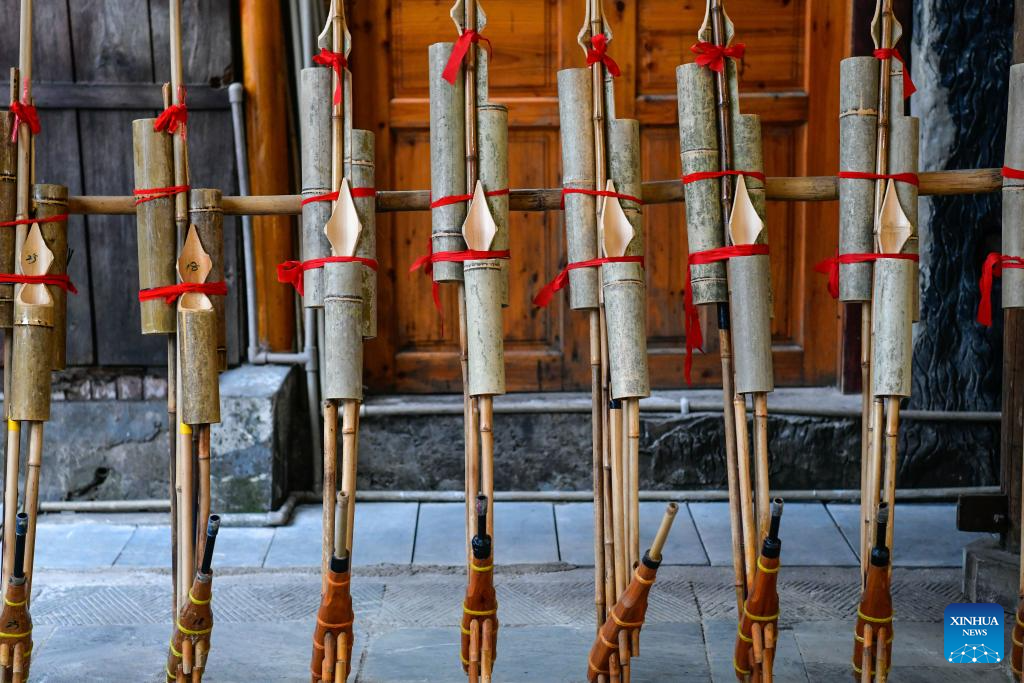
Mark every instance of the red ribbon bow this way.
pixel 57 280
pixel 451 69
pixel 290 272
pixel 830 266
pixel 427 261
pixel 27 114
pixel 599 53
pixel 993 267
pixel 170 293
pixel 713 56
pixel 547 293
pixel 694 336
pixel 174 117
pixel 336 61
pixel 892 53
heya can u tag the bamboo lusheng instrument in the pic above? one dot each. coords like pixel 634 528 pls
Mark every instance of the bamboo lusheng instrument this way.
pixel 480 607
pixel 16 640
pixel 332 638
pixel 758 629
pixel 190 642
pixel 628 612
pixel 8 209
pixel 874 614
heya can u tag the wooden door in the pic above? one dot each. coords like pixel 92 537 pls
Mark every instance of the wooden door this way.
pixel 790 77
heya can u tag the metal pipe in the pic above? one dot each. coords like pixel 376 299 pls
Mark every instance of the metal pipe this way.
pixel 307 33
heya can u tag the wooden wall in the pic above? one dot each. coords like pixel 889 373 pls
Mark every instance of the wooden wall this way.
pixel 86 143
pixel 790 77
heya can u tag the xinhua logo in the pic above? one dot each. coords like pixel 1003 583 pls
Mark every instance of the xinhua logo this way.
pixel 973 633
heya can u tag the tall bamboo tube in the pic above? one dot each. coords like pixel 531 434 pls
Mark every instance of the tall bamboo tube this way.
pixel 34 463
pixel 8 209
pixel 447 160
pixel 206 214
pixel 1013 192
pixel 361 171
pixel 315 127
pixel 52 200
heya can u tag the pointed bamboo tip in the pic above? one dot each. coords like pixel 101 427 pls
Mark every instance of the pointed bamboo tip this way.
pixel 479 227
pixel 894 228
pixel 343 227
pixel 616 230
pixel 744 223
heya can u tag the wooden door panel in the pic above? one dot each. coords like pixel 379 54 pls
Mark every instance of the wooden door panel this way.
pixel 788 78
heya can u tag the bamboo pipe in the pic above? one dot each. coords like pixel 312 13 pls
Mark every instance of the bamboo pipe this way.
pixel 865 437
pixel 633 406
pixel 618 533
pixel 350 461
pixel 486 405
pixel 35 461
pixel 746 501
pixel 11 495
pixel 892 428
pixel 779 188
pixel 329 486
pixel 203 461
pixel 761 461
pixel 600 492
pixel 186 523
pixel 875 466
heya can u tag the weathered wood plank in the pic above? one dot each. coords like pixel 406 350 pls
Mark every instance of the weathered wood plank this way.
pixel 66 95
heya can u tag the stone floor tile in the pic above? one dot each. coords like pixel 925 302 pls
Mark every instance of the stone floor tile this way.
pixel 439 534
pixel 926 534
pixel 712 522
pixel 721 642
pixel 242 547
pixel 524 534
pixel 98 654
pixel 811 539
pixel 575 523
pixel 79 546
pixel 149 546
pixel 413 654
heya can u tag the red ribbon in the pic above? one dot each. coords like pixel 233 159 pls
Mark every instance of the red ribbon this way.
pixel 456 198
pixel 333 196
pixel 27 114
pixel 993 267
pixel 150 193
pixel 694 336
pixel 427 261
pixel 336 61
pixel 57 280
pixel 1013 173
pixel 451 69
pixel 170 293
pixel 545 295
pixel 909 178
pixel 290 272
pixel 29 221
pixel 713 56
pixel 174 117
pixel 598 193
pixel 599 53
pixel 892 53
pixel 707 175
pixel 830 266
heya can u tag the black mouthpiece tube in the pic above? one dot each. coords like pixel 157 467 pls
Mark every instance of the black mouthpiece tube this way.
pixel 212 526
pixel 880 553
pixel 772 546
pixel 20 531
pixel 723 316
pixel 481 542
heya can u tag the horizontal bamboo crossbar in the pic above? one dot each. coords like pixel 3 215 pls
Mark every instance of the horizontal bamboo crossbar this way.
pixel 787 189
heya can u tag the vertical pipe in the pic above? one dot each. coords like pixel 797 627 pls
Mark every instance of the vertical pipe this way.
pixel 330 483
pixel 11 494
pixel 349 460
pixel 746 499
pixel 761 461
pixel 35 461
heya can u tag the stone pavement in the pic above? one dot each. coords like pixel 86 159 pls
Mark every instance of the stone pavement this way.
pixel 101 601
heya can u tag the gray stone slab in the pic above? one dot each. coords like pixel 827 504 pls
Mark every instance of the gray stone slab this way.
pixel 926 534
pixel 384 535
pixel 100 654
pixel 524 534
pixel 149 546
pixel 721 642
pixel 242 547
pixel 414 654
pixel 809 537
pixel 79 546
pixel 575 523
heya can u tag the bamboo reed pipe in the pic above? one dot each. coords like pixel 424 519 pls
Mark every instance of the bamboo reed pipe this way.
pixel 892 429
pixel 633 407
pixel 35 461
pixel 746 501
pixel 739 562
pixel 865 436
pixel 11 495
pixel 875 463
pixel 600 492
pixel 1013 192
pixel 788 189
pixel 330 484
pixel 350 456
pixel 761 462
pixel 608 532
pixel 8 210
pixel 203 463
pixel 486 407
pixel 315 118
pixel 186 525
pixel 618 533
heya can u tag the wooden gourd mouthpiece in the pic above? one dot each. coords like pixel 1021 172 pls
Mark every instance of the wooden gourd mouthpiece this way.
pixel 616 230
pixel 479 227
pixel 894 228
pixel 744 224
pixel 194 265
pixel 343 228
pixel 36 259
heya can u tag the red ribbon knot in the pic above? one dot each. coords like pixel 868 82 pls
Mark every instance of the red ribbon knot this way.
pixel 467 38
pixel 547 293
pixel 1013 173
pixel 713 56
pixel 174 117
pixel 29 221
pixel 333 196
pixel 457 198
pixel 992 268
pixel 57 280
pixel 148 194
pixel 27 114
pixel 599 53
pixel 830 266
pixel 909 178
pixel 892 53
pixel 170 293
pixel 290 272
pixel 336 61
pixel 707 175
pixel 427 261
pixel 691 321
